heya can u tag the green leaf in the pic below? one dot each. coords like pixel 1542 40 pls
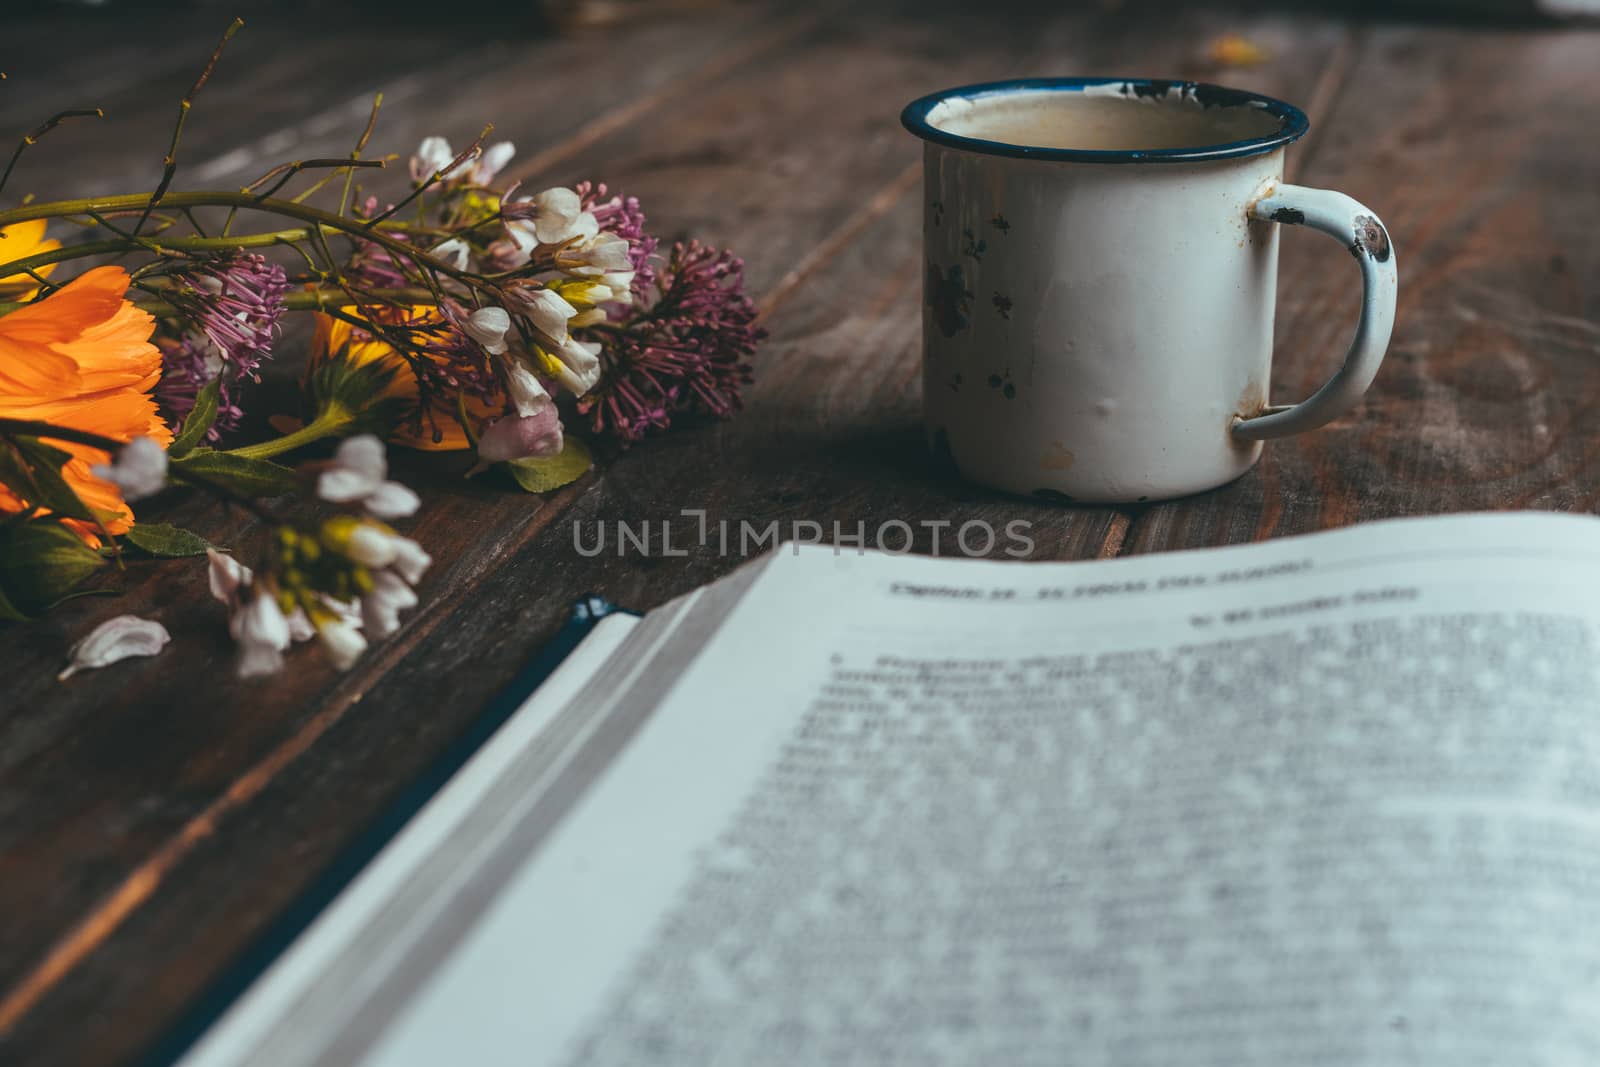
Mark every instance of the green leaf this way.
pixel 165 540
pixel 33 470
pixel 552 472
pixel 41 561
pixel 244 476
pixel 198 424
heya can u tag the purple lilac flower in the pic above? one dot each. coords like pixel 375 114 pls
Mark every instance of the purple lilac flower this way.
pixel 444 361
pixel 623 217
pixel 374 266
pixel 229 305
pixel 687 353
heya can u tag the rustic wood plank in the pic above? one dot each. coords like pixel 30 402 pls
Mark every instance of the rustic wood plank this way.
pixel 1488 397
pixel 90 822
pixel 273 78
pixel 241 806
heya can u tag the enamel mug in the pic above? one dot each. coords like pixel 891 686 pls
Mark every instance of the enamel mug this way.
pixel 1101 278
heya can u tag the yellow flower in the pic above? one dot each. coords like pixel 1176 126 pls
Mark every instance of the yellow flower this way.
pixel 333 336
pixel 82 358
pixel 1234 50
pixel 18 242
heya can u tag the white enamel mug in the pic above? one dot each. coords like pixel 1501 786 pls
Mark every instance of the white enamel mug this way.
pixel 1101 279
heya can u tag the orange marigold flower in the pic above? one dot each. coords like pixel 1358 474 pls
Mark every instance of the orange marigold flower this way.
pixel 333 336
pixel 19 242
pixel 82 358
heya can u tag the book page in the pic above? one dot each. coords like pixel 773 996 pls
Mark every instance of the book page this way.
pixel 270 1010
pixel 1326 800
pixel 334 988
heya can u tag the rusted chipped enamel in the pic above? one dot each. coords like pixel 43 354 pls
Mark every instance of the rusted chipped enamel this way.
pixel 1358 229
pixel 1371 239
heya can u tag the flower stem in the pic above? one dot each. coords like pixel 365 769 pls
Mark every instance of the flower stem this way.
pixel 51 432
pixel 333 420
pixel 325 298
pixel 319 221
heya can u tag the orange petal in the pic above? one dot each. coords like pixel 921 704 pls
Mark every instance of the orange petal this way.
pixel 116 353
pixel 91 298
pixel 32 371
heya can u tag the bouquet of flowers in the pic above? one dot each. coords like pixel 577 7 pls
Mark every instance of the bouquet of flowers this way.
pixel 507 324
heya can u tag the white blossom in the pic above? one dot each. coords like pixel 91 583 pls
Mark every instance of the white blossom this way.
pixel 381 607
pixel 371 546
pixel 139 470
pixel 433 155
pixel 584 227
pixel 300 628
pixel 528 394
pixel 555 215
pixel 492 162
pixel 547 309
pixel 375 546
pixel 621 283
pixel 590 291
pixel 342 641
pixel 359 473
pixel 454 252
pixel 226 575
pixel 113 640
pixel 606 253
pixel 521 437
pixel 410 560
pixel 262 634
pixel 522 242
pixel 580 362
pixel 488 326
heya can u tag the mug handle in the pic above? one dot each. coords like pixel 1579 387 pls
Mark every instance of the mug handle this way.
pixel 1357 228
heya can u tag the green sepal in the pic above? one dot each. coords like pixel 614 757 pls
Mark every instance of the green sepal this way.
pixel 540 475
pixel 9 612
pixel 41 562
pixel 357 390
pixel 32 469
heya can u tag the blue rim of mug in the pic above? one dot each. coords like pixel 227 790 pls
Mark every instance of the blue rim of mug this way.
pixel 1292 122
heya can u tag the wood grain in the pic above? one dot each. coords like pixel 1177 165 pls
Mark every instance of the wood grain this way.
pixel 154 817
pixel 1488 397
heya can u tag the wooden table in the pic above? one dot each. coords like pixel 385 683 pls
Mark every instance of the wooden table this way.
pixel 154 817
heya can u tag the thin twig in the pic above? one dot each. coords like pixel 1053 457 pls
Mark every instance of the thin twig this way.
pixel 143 242
pixel 318 222
pixel 170 163
pixel 289 170
pixel 471 151
pixel 311 263
pixel 355 153
pixel 188 213
pixel 45 285
pixel 317 186
pixel 31 138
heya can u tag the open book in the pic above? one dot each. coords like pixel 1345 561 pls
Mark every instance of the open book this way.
pixel 1326 800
